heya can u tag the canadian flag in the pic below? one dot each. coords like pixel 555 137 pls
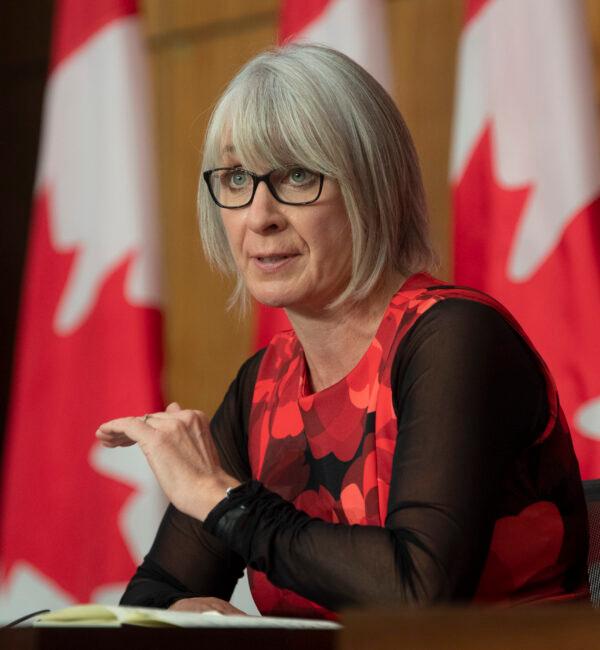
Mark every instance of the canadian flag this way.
pixel 525 172
pixel 358 29
pixel 76 519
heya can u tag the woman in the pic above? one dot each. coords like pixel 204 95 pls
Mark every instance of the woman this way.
pixel 416 410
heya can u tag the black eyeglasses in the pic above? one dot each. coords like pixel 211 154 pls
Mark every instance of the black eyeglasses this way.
pixel 235 187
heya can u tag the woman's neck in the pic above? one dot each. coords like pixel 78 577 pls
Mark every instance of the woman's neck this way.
pixel 335 340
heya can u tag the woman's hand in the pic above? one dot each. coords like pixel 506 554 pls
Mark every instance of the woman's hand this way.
pixel 206 605
pixel 180 450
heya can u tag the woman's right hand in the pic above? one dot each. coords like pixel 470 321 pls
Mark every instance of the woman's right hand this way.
pixel 206 605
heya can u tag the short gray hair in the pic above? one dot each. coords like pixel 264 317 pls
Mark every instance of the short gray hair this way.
pixel 311 105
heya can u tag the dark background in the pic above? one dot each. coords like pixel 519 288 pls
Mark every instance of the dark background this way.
pixel 24 53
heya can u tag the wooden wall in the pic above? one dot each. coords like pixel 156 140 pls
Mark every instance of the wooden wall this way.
pixel 196 47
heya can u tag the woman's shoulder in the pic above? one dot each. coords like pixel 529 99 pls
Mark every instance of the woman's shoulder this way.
pixel 467 321
pixel 467 309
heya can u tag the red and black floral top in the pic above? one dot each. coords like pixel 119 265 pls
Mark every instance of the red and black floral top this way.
pixel 439 469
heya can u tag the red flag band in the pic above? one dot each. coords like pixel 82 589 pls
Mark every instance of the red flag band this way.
pixel 74 520
pixel 525 174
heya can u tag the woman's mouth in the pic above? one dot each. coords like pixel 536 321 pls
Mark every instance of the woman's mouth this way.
pixel 273 262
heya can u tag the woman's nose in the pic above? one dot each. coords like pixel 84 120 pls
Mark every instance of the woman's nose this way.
pixel 264 213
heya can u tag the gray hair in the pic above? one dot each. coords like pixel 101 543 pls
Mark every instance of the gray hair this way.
pixel 310 105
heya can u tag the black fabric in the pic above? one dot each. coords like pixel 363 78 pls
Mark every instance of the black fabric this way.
pixel 469 396
pixel 196 562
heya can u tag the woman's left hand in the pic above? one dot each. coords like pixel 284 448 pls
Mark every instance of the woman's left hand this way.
pixel 180 450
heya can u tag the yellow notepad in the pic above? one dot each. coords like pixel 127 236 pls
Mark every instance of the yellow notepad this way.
pixel 112 616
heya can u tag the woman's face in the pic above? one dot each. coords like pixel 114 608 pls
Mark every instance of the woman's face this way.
pixel 293 256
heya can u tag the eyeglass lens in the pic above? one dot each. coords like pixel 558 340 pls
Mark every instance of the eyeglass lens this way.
pixel 233 187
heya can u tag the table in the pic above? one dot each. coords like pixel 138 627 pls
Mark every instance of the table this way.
pixel 551 627
pixel 145 638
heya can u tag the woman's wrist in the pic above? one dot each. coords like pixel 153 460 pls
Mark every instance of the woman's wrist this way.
pixel 213 491
pixel 233 519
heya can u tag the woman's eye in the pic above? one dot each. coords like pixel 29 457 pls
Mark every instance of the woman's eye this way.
pixel 299 176
pixel 237 179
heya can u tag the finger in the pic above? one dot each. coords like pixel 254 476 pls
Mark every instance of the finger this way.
pixel 205 605
pixel 189 417
pixel 221 606
pixel 227 609
pixel 159 415
pixel 148 416
pixel 121 430
pixel 114 439
pixel 163 415
pixel 134 428
pixel 192 419
pixel 173 407
pixel 234 611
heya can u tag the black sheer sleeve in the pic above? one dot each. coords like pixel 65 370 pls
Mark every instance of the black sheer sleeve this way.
pixel 186 560
pixel 469 395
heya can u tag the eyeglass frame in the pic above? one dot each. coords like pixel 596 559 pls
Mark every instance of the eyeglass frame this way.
pixel 256 179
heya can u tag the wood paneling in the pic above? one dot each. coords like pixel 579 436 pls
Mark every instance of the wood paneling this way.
pixel 165 17
pixel 593 20
pixel 424 36
pixel 205 344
